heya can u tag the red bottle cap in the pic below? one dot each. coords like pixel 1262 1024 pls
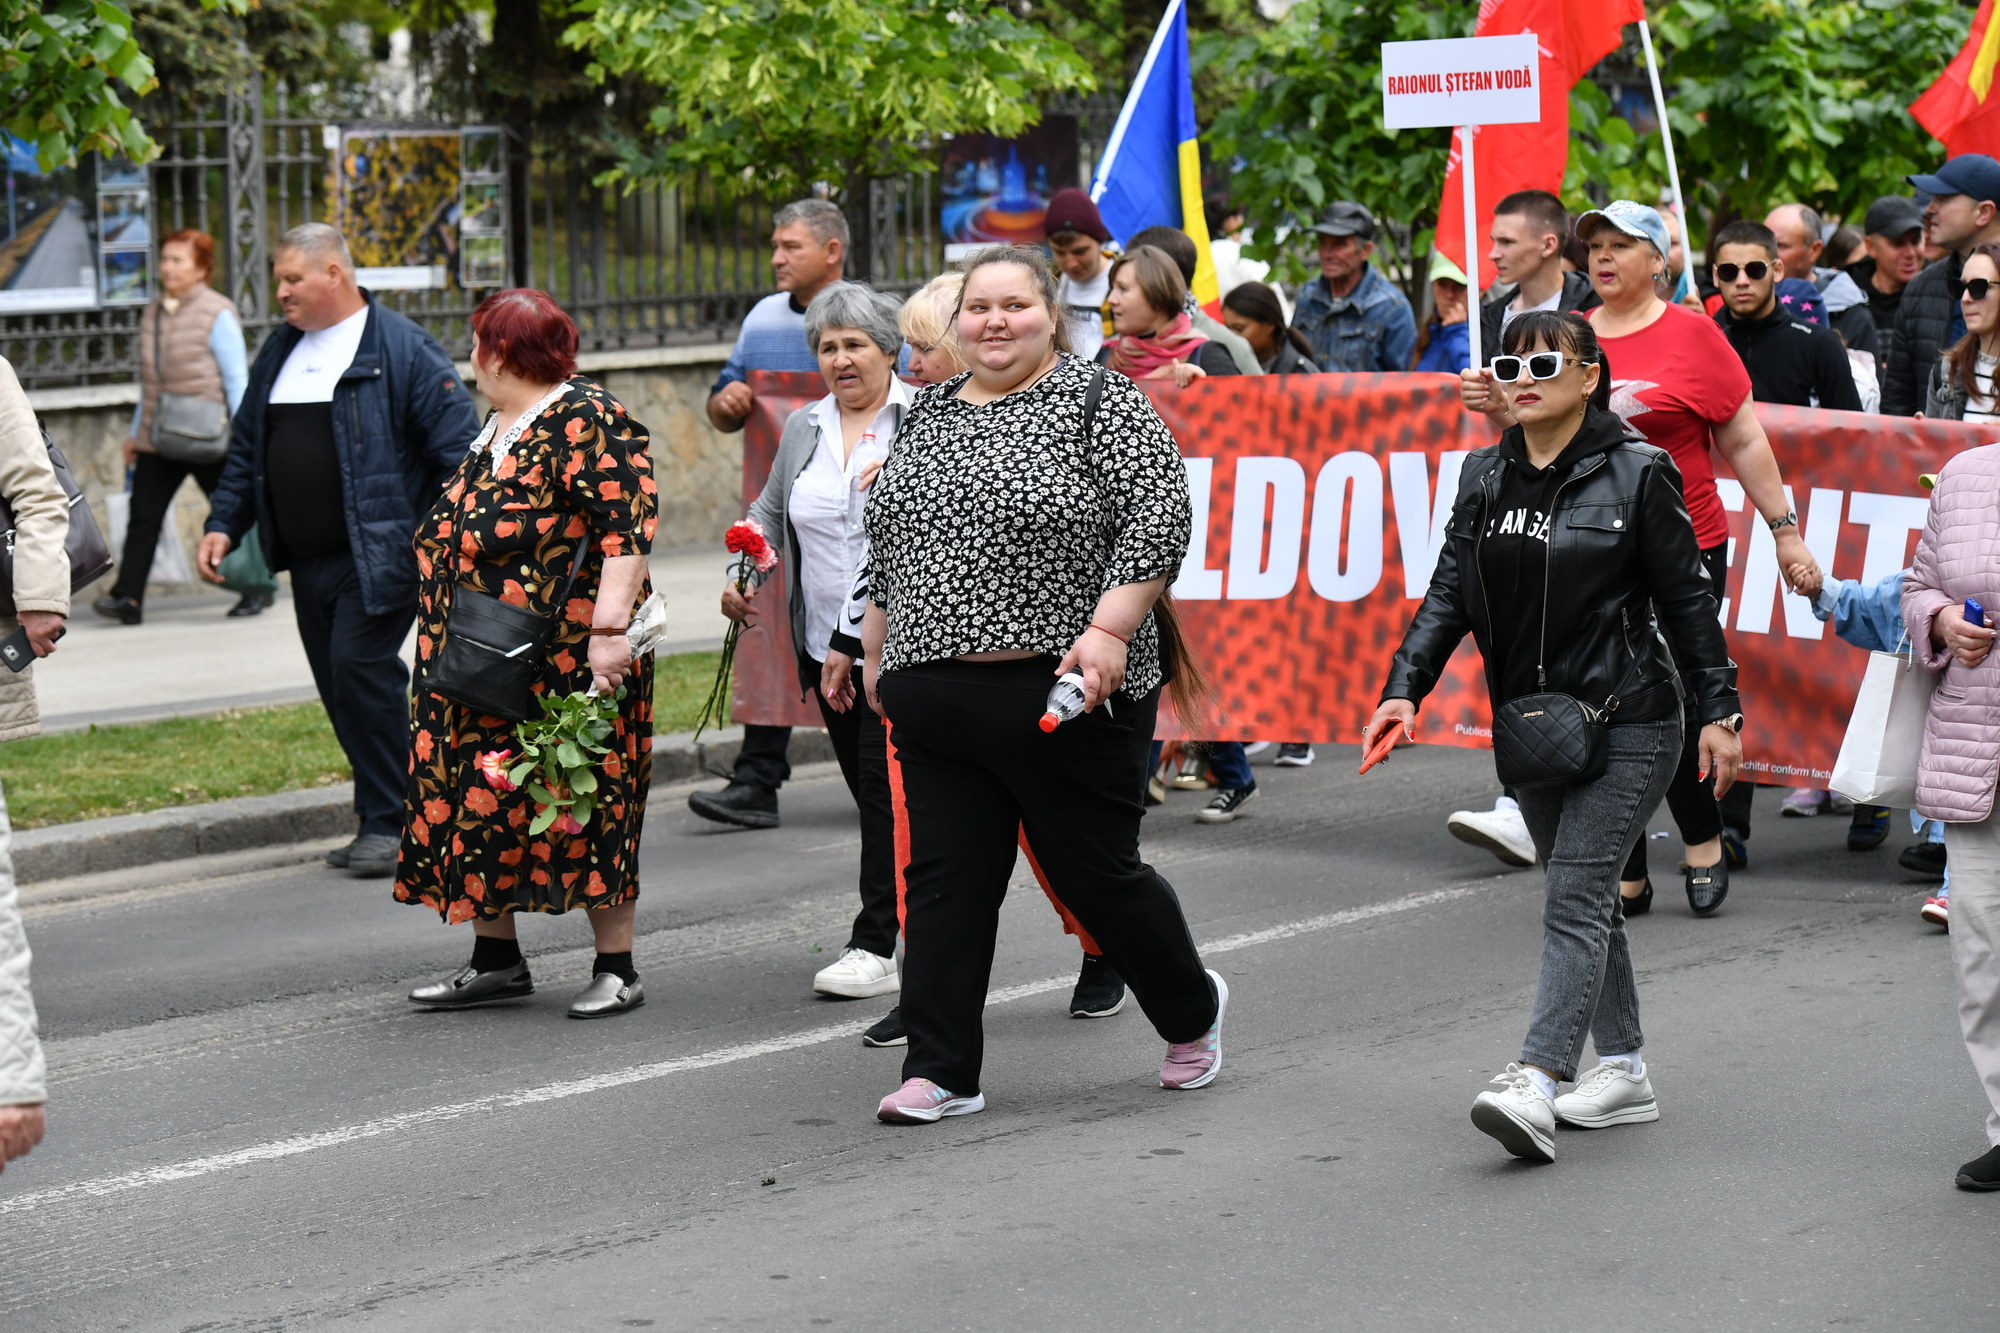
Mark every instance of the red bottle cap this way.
pixel 1050 722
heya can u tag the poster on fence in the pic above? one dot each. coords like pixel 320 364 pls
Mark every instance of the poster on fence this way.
pixel 423 208
pixel 1319 507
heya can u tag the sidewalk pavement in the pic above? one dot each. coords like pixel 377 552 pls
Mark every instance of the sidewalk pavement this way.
pixel 189 659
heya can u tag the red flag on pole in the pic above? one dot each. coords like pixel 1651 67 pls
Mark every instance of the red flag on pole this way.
pixel 1573 36
pixel 1962 108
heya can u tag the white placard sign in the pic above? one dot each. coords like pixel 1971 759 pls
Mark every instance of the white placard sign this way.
pixel 1461 81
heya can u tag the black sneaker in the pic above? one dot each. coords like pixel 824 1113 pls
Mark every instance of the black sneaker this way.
pixel 1923 858
pixel 1639 903
pixel 252 604
pixel 1707 886
pixel 743 804
pixel 1981 1173
pixel 1294 754
pixel 1225 805
pixel 1869 829
pixel 1100 991
pixel 888 1031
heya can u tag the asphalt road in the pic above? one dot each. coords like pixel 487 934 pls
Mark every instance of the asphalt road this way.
pixel 251 1130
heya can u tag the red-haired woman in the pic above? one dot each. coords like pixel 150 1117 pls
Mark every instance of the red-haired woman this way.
pixel 559 467
pixel 191 344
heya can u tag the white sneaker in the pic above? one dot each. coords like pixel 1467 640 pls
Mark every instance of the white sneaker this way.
pixel 859 975
pixel 1500 831
pixel 1610 1094
pixel 1518 1115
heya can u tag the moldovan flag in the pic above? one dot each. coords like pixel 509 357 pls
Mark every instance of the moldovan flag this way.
pixel 1574 35
pixel 1150 175
pixel 1960 108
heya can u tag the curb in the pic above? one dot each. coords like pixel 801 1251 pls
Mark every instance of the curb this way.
pixel 245 822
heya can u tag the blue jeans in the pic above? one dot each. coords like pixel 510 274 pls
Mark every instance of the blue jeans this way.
pixel 1225 759
pixel 1583 834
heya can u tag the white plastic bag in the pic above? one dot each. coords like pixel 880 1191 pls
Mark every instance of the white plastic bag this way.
pixel 1885 733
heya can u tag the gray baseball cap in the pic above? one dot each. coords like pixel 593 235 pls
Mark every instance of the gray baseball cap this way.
pixel 1344 217
pixel 1893 215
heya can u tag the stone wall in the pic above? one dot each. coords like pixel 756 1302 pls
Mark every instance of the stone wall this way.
pixel 699 469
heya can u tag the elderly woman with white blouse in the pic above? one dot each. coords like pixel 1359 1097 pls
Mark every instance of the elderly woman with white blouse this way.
pixel 812 506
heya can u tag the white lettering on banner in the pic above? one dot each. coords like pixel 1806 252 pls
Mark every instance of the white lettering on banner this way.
pixel 1819 524
pixel 1251 576
pixel 1420 515
pixel 1461 81
pixel 1730 492
pixel 1890 519
pixel 1361 519
pixel 1197 582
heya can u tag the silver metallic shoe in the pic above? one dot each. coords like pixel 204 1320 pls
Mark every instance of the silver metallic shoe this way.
pixel 607 993
pixel 468 986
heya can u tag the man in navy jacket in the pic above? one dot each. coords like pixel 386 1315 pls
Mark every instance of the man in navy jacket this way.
pixel 353 421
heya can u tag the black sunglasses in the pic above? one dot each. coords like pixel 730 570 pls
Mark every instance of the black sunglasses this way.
pixel 1755 270
pixel 1976 288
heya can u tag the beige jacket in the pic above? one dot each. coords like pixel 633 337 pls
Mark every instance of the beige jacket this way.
pixel 41 522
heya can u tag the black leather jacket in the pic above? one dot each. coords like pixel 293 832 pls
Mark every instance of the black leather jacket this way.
pixel 1628 596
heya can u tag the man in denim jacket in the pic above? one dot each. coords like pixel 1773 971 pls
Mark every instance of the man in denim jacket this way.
pixel 1354 317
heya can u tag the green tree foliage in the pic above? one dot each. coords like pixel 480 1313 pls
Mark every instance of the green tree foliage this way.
pixel 770 96
pixel 202 52
pixel 1774 101
pixel 1311 130
pixel 61 71
pixel 1113 35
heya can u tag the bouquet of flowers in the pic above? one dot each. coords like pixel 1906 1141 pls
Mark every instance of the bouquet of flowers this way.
pixel 753 555
pixel 560 754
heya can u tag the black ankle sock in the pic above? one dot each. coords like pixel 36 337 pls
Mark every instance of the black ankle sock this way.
pixel 618 964
pixel 490 953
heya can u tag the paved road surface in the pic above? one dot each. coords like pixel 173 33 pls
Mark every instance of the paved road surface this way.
pixel 64 257
pixel 252 1131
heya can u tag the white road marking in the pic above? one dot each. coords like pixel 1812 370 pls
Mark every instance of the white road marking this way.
pixel 618 1078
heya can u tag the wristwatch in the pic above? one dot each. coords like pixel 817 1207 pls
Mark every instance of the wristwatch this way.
pixel 1789 519
pixel 1734 722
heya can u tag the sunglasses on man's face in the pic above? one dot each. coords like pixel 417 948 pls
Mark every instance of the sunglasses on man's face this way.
pixel 1756 270
pixel 1536 365
pixel 1976 288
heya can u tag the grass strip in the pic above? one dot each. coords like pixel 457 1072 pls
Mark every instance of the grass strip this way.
pixel 126 770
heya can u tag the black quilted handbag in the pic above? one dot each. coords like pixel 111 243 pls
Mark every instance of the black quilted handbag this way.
pixel 1549 740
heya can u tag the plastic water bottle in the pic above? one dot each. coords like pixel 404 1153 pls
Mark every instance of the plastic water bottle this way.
pixel 1065 700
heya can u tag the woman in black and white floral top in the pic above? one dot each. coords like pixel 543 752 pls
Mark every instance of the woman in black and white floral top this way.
pixel 1033 513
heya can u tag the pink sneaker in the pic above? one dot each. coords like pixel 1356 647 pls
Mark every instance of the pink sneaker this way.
pixel 920 1101
pixel 1194 1064
pixel 1937 911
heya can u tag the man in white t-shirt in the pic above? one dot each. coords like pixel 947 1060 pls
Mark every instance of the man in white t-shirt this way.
pixel 1077 238
pixel 1530 228
pixel 352 422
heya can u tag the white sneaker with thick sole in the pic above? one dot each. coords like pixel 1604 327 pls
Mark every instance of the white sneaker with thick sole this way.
pixel 1500 831
pixel 859 975
pixel 1610 1094
pixel 1519 1116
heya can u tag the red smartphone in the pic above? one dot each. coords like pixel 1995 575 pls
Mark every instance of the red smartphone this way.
pixel 1381 748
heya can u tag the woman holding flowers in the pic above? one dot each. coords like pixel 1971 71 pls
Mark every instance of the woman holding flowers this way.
pixel 553 511
pixel 827 454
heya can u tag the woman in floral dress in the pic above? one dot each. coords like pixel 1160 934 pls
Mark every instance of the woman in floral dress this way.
pixel 559 463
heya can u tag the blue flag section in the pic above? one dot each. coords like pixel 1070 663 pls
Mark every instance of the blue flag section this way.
pixel 1151 172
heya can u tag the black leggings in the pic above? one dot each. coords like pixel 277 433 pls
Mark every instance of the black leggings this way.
pixel 859 745
pixel 974 771
pixel 1690 799
pixel 154 481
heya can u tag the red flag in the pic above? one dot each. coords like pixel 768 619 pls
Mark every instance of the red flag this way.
pixel 1574 35
pixel 1961 108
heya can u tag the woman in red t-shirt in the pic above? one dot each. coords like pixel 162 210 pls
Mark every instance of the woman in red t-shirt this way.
pixel 1677 381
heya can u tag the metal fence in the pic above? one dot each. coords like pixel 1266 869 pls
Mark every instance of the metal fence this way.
pixel 656 266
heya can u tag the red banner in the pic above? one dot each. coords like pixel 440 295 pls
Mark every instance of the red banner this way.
pixel 1320 503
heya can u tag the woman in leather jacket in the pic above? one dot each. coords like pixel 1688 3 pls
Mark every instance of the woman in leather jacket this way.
pixel 1571 560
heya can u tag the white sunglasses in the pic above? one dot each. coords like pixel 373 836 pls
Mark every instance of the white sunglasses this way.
pixel 1538 365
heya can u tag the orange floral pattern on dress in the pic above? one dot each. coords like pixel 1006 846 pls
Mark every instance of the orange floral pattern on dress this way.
pixel 581 472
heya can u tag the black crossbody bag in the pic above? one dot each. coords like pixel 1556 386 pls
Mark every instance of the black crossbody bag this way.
pixel 493 651
pixel 1550 740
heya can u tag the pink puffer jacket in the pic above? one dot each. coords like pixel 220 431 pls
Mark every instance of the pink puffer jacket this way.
pixel 1959 557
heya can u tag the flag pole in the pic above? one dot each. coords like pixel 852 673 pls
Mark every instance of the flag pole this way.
pixel 1465 133
pixel 1666 132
